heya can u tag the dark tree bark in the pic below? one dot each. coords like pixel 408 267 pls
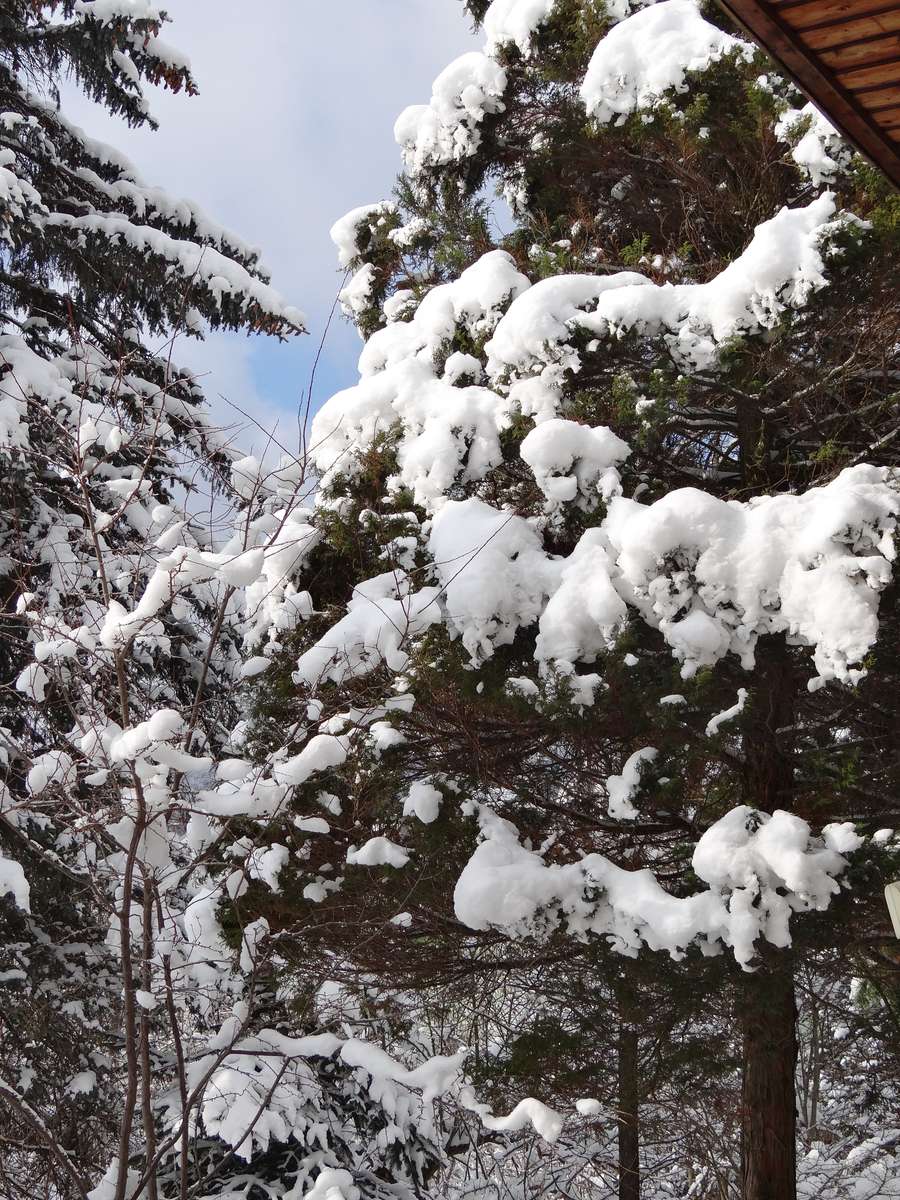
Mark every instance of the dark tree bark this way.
pixel 767 1006
pixel 769 1127
pixel 627 1119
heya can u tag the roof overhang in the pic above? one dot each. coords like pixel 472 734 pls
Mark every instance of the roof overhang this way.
pixel 845 55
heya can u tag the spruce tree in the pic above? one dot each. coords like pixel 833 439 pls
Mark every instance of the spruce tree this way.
pixel 605 569
pixel 147 1050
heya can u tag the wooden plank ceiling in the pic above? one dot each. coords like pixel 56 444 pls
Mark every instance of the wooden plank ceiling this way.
pixel 845 55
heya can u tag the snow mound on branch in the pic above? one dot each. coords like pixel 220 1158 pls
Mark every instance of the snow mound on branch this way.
pixel 53 767
pixel 494 574
pixel 515 21
pixel 748 858
pixel 620 789
pixel 205 266
pixel 333 1185
pixel 546 1122
pixel 345 232
pixel 422 800
pixel 378 852
pixel 14 883
pixel 728 714
pixel 713 576
pixel 266 1090
pixel 448 127
pixel 382 616
pixel 547 314
pixel 649 54
pixel 572 460
pixel 819 151
pixel 107 12
pixel 585 613
pixel 356 297
pixel 319 754
pixel 474 302
pixel 272 601
pixel 446 431
pixel 779 269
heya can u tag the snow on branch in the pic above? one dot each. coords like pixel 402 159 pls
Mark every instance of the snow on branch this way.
pixel 651 53
pixel 760 869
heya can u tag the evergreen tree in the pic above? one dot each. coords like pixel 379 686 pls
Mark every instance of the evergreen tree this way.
pixel 140 1053
pixel 606 525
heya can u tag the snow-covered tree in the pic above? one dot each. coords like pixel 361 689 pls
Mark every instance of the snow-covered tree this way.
pixel 605 569
pixel 143 1050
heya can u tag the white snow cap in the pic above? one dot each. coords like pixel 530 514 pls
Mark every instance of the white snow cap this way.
pixel 819 151
pixel 447 128
pixel 569 459
pixel 515 21
pixel 620 789
pixel 423 800
pixel 780 268
pixel 649 54
pixel 447 431
pixel 747 858
pixel 345 231
pixel 378 852
pixel 493 573
pixel 13 882
pixel 811 566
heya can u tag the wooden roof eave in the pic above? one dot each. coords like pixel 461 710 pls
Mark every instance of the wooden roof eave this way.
pixel 818 82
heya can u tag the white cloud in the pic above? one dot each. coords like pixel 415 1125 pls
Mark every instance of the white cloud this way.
pixel 292 128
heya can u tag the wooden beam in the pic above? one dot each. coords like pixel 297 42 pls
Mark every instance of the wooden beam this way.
pixel 844 109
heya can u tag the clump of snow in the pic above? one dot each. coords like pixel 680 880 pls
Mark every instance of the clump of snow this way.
pixel 584 612
pixel 356 296
pixel 649 54
pixel 811 566
pixel 448 127
pixel 493 573
pixel 545 1121
pixel 841 836
pixel 620 789
pixel 819 150
pixel 779 269
pixel 571 460
pixel 446 431
pixel 333 1185
pixel 55 767
pixel 382 616
pixel 106 12
pixel 321 752
pixel 760 870
pixel 516 22
pixel 728 714
pixel 254 666
pixel 13 882
pixel 378 852
pixel 345 232
pixel 246 476
pixel 32 682
pixel 422 800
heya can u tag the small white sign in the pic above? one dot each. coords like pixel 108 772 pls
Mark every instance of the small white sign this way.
pixel 892 896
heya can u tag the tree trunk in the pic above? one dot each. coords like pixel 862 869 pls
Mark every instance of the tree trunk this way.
pixel 627 1120
pixel 769 1112
pixel 767 1007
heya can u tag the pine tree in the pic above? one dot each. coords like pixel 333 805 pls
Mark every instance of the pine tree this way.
pixel 148 1048
pixel 615 497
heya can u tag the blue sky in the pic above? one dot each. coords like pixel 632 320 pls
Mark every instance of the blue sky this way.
pixel 291 129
